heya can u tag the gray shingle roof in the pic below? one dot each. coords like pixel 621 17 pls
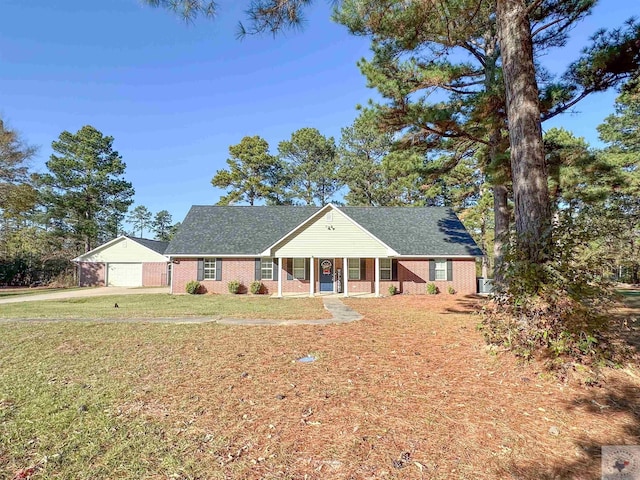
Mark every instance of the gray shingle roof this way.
pixel 424 231
pixel 235 230
pixel 245 230
pixel 155 245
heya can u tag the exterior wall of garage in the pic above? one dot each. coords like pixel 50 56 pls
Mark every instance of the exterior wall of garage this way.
pixel 91 274
pixel 154 274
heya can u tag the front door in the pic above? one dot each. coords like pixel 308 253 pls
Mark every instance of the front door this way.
pixel 326 274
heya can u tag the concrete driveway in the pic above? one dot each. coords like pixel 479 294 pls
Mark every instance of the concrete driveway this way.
pixel 85 292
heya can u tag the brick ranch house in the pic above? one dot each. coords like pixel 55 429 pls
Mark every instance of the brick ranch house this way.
pixel 124 262
pixel 306 249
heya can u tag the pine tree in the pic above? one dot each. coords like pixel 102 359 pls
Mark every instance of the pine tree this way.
pixel 84 186
pixel 312 161
pixel 253 174
pixel 161 225
pixel 140 218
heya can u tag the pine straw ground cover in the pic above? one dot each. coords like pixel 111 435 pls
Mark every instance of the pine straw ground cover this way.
pixel 409 392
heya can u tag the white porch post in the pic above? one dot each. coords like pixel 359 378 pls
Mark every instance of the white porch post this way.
pixel 279 276
pixel 312 277
pixel 345 276
pixel 377 268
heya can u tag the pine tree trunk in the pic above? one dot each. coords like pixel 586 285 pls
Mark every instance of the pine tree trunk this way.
pixel 501 232
pixel 528 169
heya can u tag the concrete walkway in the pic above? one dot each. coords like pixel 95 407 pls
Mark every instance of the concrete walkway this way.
pixel 340 313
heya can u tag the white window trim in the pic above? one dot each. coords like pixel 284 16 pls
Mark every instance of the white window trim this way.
pixel 303 268
pixel 443 268
pixel 350 268
pixel 269 268
pixel 386 269
pixel 209 269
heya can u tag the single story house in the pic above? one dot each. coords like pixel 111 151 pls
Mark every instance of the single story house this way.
pixel 125 262
pixel 330 249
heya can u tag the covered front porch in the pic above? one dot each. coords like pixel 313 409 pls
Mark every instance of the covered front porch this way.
pixel 330 253
pixel 345 276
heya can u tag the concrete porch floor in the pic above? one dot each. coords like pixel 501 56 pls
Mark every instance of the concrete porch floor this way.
pixel 325 295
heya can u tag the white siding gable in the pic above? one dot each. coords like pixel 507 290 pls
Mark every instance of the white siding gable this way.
pixel 331 234
pixel 123 250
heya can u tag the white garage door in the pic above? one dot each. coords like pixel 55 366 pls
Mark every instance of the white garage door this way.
pixel 124 275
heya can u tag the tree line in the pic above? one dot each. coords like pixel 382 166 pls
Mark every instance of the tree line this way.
pixel 80 202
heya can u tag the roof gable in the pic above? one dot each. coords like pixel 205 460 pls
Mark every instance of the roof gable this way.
pixel 157 246
pixel 126 249
pixel 330 232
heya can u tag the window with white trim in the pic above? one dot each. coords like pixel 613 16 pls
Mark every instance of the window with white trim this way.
pixel 441 269
pixel 354 268
pixel 266 268
pixel 299 269
pixel 385 269
pixel 209 269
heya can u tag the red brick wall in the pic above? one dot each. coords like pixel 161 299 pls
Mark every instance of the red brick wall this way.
pixel 154 274
pixel 183 271
pixel 91 274
pixel 242 269
pixel 413 276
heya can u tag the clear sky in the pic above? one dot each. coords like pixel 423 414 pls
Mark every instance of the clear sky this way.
pixel 175 96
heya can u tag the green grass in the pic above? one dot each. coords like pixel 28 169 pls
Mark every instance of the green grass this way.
pixel 62 388
pixel 166 306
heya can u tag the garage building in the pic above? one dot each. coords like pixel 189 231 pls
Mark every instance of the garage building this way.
pixel 125 262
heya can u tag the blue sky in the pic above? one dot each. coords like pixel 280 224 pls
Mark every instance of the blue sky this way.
pixel 174 97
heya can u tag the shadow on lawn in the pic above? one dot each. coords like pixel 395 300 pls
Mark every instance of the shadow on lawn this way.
pixel 614 403
pixel 618 401
pixel 465 304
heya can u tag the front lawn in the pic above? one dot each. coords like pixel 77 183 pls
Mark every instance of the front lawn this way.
pixel 14 291
pixel 409 392
pixel 160 305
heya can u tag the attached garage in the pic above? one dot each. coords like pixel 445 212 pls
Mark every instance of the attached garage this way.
pixel 124 275
pixel 125 262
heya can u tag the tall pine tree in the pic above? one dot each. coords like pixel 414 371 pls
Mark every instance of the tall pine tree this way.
pixel 84 186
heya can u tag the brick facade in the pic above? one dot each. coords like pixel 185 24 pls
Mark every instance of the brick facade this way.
pixel 154 274
pixel 91 274
pixel 413 277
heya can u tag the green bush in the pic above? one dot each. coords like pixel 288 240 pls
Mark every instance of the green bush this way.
pixel 193 287
pixel 432 289
pixel 451 290
pixel 234 286
pixel 256 287
pixel 393 290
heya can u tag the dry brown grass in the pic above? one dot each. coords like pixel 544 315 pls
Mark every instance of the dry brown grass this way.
pixel 409 392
